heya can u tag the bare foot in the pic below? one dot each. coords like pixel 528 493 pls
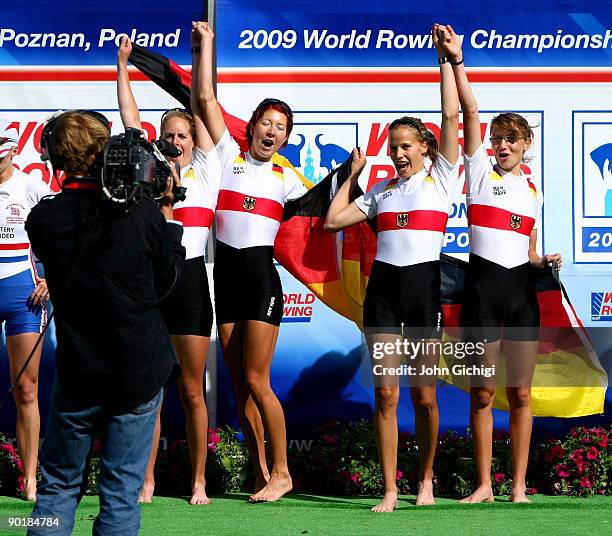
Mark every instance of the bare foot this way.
pixel 199 494
pixel 425 494
pixel 276 487
pixel 518 496
pixel 146 493
pixel 29 492
pixel 482 494
pixel 260 483
pixel 388 503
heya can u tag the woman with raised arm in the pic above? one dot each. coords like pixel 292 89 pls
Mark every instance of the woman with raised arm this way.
pixel 23 296
pixel 403 294
pixel 248 293
pixel 187 312
pixel 503 214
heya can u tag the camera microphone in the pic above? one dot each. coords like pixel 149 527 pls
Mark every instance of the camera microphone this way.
pixel 167 149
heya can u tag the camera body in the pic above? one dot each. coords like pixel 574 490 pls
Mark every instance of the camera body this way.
pixel 133 166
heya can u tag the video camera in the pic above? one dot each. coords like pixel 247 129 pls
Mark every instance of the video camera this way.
pixel 133 166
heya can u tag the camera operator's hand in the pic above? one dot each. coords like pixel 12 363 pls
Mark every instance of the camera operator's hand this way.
pixel 124 51
pixel 166 203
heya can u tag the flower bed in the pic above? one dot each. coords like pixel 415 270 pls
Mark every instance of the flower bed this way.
pixel 342 460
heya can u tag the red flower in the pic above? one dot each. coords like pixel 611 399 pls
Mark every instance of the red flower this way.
pixel 604 441
pixel 355 478
pixel 592 453
pixel 499 477
pixel 398 475
pixel 576 456
pixel 562 470
pixel 329 440
pixel 531 491
pixel 584 482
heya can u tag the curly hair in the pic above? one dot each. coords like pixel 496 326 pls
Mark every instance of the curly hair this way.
pixel 423 134
pixel 79 139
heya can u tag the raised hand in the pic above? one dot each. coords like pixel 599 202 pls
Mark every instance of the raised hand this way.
pixel 124 51
pixel 450 42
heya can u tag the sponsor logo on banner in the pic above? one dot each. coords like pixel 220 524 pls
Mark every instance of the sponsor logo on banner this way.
pixel 601 306
pixel 316 149
pixel 592 186
pixel 298 306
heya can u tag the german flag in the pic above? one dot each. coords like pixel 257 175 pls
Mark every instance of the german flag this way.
pixel 569 380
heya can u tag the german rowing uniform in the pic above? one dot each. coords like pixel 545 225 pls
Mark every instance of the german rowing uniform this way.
pixel 411 214
pixel 188 308
pixel 18 276
pixel 249 212
pixel 503 210
pixel 196 212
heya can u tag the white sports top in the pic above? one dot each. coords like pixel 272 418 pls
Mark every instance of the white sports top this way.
pixel 412 213
pixel 251 197
pixel 503 209
pixel 17 197
pixel 196 213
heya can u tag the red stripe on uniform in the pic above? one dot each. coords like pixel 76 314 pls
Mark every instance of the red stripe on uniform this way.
pixel 498 218
pixel 421 220
pixel 14 246
pixel 194 216
pixel 229 200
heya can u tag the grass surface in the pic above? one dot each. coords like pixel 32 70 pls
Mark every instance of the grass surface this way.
pixel 314 515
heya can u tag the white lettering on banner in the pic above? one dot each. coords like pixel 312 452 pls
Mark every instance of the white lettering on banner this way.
pixel 8 36
pixel 324 39
pixel 108 35
pixel 539 42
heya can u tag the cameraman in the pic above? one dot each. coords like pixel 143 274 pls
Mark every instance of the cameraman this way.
pixel 105 268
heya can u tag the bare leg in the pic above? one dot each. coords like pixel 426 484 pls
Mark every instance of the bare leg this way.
pixel 232 343
pixel 520 364
pixel 26 401
pixel 427 422
pixel 260 341
pixel 148 486
pixel 481 418
pixel 191 350
pixel 386 400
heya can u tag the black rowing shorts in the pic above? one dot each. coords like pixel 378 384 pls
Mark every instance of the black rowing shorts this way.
pixel 404 299
pixel 247 285
pixel 188 309
pixel 496 296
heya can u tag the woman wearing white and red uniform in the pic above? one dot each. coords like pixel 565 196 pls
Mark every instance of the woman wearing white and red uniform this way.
pixel 187 312
pixel 22 298
pixel 403 293
pixel 248 293
pixel 503 214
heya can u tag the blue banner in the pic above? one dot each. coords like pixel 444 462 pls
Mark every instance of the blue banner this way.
pixel 86 33
pixel 377 33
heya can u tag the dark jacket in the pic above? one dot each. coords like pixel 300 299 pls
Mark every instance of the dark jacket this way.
pixel 105 271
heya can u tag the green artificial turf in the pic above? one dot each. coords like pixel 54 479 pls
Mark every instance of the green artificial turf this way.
pixel 314 515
